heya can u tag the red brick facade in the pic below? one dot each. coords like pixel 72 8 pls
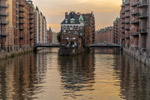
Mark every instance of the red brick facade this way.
pixel 116 31
pixel 104 35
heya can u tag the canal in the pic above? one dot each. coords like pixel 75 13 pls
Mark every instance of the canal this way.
pixel 100 75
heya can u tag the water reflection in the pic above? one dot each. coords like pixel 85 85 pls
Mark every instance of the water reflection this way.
pixel 77 75
pixel 135 78
pixel 20 77
pixel 101 75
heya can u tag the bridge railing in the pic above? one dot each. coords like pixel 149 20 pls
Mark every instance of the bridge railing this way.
pixel 103 45
pixel 46 45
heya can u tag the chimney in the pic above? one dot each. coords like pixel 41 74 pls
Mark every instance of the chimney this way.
pixel 66 14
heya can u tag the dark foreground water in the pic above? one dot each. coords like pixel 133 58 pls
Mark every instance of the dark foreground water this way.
pixel 100 75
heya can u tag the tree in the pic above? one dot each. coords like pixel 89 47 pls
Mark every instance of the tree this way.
pixel 59 37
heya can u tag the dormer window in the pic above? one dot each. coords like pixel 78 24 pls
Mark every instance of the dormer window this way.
pixel 72 20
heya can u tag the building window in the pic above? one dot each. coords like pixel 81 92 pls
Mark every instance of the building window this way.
pixel 66 20
pixel 74 27
pixel 72 20
pixel 68 27
pixel 71 28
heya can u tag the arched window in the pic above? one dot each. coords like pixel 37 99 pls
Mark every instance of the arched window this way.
pixel 68 27
pixel 74 27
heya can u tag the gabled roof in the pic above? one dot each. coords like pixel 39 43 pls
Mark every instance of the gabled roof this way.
pixel 71 16
pixel 81 18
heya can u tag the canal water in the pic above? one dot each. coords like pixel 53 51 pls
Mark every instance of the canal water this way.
pixel 100 75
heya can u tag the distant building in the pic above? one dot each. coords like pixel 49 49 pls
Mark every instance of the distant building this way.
pixel 78 29
pixel 72 29
pixel 89 21
pixel 49 35
pixel 116 31
pixel 40 27
pixel 104 35
pixel 54 38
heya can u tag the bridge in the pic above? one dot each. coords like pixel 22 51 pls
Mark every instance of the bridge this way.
pixel 47 45
pixel 104 45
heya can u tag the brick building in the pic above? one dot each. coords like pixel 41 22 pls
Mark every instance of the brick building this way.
pixel 20 25
pixel 49 35
pixel 72 29
pixel 89 20
pixel 40 27
pixel 135 25
pixel 17 28
pixel 104 35
pixel 135 33
pixel 78 27
pixel 116 31
pixel 3 24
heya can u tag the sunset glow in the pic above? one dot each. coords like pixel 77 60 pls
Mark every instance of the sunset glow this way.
pixel 105 11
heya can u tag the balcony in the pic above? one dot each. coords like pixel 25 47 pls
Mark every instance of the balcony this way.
pixel 21 37
pixel 31 27
pixel 21 4
pixel 144 3
pixel 123 17
pixel 127 36
pixel 127 16
pixel 32 13
pixel 31 22
pixel 127 3
pixel 21 22
pixel 21 10
pixel 123 5
pixel 21 16
pixel 134 13
pixel 127 28
pixel 143 15
pixel 127 22
pixel 134 34
pixel 122 22
pixel 21 28
pixel 3 34
pixel 3 14
pixel 123 12
pixel 4 22
pixel 134 4
pixel 31 18
pixel 134 22
pixel 123 32
pixel 142 30
pixel 4 5
pixel 127 9
pixel 31 32
pixel 122 27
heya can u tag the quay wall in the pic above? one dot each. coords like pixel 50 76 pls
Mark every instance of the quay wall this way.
pixel 142 57
pixel 5 55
